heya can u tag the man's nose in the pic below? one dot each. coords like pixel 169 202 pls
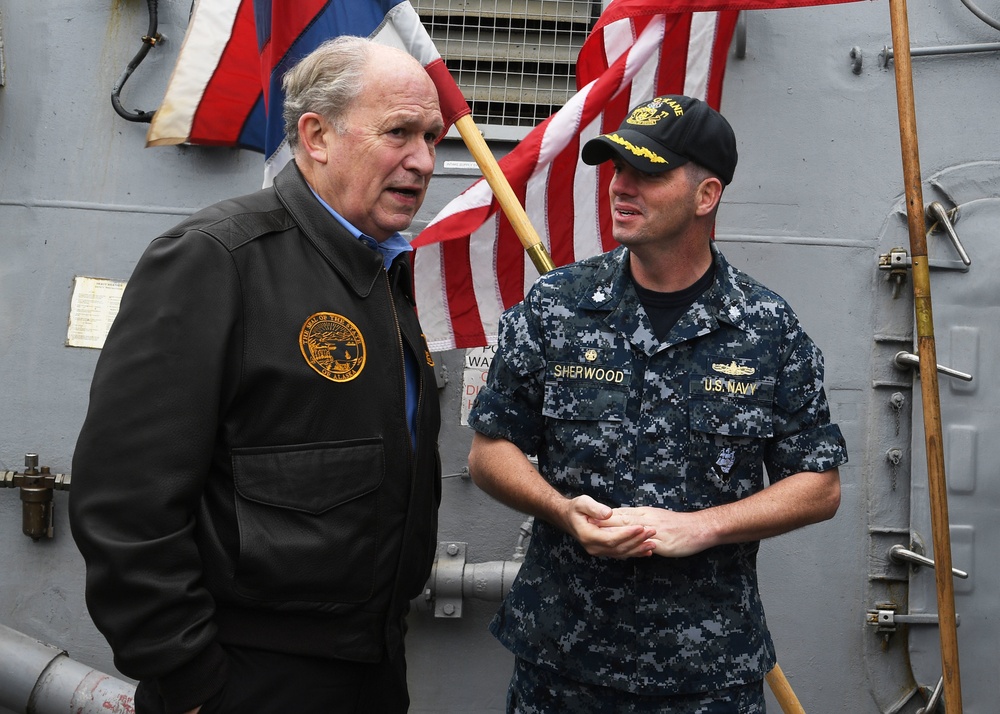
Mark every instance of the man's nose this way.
pixel 622 182
pixel 421 158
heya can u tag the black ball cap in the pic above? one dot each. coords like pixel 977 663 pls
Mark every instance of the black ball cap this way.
pixel 665 133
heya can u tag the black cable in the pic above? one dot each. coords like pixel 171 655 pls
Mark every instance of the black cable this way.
pixel 148 41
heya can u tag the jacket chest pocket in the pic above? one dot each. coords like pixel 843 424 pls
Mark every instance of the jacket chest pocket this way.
pixel 308 520
pixel 727 440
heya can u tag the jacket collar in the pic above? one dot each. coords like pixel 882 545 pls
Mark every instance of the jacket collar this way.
pixel 357 264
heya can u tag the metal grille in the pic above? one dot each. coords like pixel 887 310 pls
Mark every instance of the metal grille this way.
pixel 515 60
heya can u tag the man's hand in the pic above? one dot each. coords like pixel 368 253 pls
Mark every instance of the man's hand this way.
pixel 675 535
pixel 587 520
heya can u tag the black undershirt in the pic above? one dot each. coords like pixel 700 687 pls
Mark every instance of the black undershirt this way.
pixel 665 309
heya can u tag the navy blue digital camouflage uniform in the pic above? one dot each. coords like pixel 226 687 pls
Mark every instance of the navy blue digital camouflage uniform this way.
pixel 580 381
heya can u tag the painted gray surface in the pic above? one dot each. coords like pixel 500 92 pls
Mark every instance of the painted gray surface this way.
pixel 816 199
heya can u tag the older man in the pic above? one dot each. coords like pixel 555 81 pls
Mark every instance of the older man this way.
pixel 255 488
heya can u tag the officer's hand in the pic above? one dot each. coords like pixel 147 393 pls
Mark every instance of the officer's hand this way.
pixel 584 519
pixel 677 534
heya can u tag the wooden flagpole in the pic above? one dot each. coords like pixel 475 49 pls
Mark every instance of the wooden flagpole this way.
pixel 782 692
pixel 937 485
pixel 509 203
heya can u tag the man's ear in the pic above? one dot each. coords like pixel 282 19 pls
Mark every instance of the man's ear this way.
pixel 313 138
pixel 708 196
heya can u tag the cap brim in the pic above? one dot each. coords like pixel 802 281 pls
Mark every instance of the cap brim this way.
pixel 636 149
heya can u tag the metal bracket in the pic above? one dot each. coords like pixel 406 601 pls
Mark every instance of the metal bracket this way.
pixel 449 567
pixel 885 619
pixel 899 259
pixel 453 579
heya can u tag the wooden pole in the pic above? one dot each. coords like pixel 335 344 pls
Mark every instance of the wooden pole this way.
pixel 937 484
pixel 509 203
pixel 782 691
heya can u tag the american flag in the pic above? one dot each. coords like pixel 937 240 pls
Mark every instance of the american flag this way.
pixel 470 265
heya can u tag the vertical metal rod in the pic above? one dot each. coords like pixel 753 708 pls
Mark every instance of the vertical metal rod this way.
pixel 937 485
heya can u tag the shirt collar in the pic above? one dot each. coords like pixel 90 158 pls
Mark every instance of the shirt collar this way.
pixel 391 247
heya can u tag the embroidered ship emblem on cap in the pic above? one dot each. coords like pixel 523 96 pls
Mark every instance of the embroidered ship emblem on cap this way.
pixel 651 113
pixel 333 346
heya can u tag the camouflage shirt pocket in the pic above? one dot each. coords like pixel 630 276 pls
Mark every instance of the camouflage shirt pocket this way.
pixel 727 442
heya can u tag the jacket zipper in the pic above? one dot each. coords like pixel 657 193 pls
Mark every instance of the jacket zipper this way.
pixel 411 454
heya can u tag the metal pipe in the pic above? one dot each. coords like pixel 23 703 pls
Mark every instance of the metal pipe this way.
pixel 887 53
pixel 489 581
pixel 42 679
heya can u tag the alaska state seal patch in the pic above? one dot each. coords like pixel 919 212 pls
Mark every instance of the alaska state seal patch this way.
pixel 333 346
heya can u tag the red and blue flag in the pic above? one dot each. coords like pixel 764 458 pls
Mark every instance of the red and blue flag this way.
pixel 225 89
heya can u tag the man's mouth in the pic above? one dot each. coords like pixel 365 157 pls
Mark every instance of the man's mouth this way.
pixel 406 193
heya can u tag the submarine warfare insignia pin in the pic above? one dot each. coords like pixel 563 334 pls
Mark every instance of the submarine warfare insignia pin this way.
pixel 333 346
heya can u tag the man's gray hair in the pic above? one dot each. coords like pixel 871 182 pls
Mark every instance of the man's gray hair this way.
pixel 326 81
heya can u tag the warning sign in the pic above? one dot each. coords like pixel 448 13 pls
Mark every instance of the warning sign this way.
pixel 477 365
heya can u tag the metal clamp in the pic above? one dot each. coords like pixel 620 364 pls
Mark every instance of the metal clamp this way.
pixel 453 579
pixel 902 555
pixel 885 618
pixel 908 359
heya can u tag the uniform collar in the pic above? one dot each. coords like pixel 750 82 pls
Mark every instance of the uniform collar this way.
pixel 613 294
